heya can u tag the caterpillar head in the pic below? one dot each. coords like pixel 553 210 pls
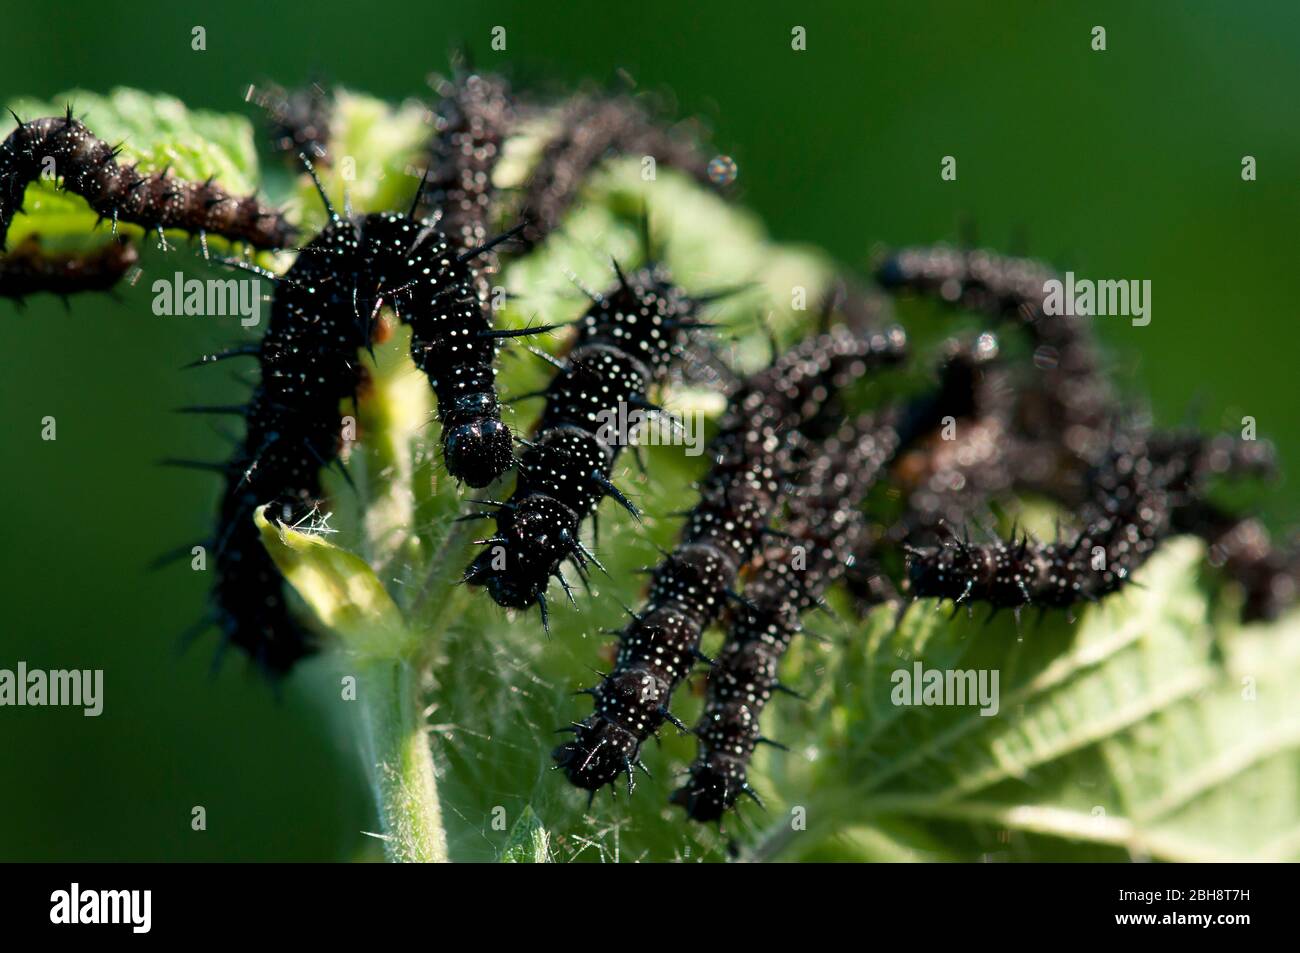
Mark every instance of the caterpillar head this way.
pixel 600 750
pixel 532 538
pixel 711 790
pixel 478 451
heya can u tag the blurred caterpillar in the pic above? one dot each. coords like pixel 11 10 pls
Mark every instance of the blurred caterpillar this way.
pixel 29 269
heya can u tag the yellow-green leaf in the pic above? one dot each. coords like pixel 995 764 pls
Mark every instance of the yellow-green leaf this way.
pixel 340 589
pixel 528 840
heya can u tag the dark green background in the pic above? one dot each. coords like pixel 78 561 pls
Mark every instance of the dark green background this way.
pixel 1117 164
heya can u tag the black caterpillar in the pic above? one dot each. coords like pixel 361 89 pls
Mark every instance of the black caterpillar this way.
pixel 29 269
pixel 1068 402
pixel 823 527
pixel 824 524
pixel 1241 547
pixel 687 590
pixel 88 166
pixel 946 484
pixel 321 317
pixel 592 129
pixel 472 118
pixel 299 121
pixel 1148 486
pixel 626 341
pixel 1182 465
pixel 1133 496
pixel 1069 405
pixel 309 366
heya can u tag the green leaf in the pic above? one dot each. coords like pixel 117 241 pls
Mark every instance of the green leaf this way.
pixel 1149 730
pixel 156 131
pixel 341 590
pixel 528 841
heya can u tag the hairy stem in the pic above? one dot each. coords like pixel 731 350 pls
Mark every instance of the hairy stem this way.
pixel 397 755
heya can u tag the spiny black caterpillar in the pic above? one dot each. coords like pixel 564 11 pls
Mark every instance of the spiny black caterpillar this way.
pixel 1130 498
pixel 473 115
pixel 823 531
pixel 299 121
pixel 592 129
pixel 88 166
pixel 321 317
pixel 687 591
pixel 1061 426
pixel 1136 496
pixel 626 342
pixel 823 526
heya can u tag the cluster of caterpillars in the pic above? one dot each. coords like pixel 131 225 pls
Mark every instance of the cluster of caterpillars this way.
pixel 780 516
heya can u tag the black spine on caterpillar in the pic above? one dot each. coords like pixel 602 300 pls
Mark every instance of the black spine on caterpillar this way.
pixel 592 129
pixel 823 527
pixel 1070 402
pixel 88 166
pixel 1130 512
pixel 30 269
pixel 472 118
pixel 688 589
pixel 626 342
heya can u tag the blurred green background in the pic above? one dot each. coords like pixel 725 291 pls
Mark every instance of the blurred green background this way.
pixel 1124 163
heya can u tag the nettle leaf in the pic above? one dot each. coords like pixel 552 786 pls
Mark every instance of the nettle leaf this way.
pixel 340 588
pixel 528 841
pixel 1151 729
pixel 157 132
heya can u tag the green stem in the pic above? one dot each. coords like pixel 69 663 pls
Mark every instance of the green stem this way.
pixel 397 755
